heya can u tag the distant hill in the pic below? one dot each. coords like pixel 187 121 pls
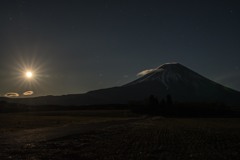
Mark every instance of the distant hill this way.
pixel 183 84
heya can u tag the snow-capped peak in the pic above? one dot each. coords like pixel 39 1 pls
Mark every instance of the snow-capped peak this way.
pixel 167 73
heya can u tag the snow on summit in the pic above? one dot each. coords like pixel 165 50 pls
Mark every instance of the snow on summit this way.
pixel 165 73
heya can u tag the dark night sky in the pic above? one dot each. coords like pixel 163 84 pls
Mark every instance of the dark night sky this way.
pixel 82 45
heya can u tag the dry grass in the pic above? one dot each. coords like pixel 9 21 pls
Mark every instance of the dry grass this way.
pixel 142 138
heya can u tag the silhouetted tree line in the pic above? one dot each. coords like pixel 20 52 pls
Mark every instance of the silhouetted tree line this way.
pixel 155 106
pixel 152 105
pixel 8 107
pixel 166 106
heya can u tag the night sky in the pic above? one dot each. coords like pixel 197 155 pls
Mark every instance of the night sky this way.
pixel 82 45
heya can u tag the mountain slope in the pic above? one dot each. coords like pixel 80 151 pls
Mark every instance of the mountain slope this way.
pixel 187 85
pixel 183 84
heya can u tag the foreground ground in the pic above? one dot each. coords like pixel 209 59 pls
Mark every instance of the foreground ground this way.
pixel 116 135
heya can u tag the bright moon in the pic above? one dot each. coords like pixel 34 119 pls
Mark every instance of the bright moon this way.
pixel 29 74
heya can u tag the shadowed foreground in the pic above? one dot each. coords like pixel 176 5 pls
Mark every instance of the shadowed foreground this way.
pixel 98 135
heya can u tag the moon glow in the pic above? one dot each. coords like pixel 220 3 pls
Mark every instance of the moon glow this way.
pixel 29 74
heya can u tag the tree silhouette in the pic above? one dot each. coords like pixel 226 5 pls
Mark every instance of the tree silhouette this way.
pixel 163 102
pixel 169 100
pixel 153 100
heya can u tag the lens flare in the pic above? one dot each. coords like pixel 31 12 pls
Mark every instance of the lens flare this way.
pixel 28 93
pixel 11 94
pixel 29 74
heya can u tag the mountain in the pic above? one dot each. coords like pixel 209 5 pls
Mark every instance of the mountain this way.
pixel 186 85
pixel 183 84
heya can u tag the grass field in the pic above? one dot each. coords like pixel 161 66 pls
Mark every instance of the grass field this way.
pixel 116 134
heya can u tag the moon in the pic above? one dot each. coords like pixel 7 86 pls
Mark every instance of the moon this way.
pixel 29 74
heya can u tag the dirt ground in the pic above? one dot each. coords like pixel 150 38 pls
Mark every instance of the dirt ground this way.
pixel 117 135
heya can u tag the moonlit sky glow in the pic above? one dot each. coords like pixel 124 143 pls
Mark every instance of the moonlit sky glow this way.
pixel 29 74
pixel 76 46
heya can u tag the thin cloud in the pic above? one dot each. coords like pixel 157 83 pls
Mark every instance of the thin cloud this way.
pixel 147 71
pixel 11 94
pixel 28 93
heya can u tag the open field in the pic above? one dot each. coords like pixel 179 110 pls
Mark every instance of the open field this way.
pixel 116 134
